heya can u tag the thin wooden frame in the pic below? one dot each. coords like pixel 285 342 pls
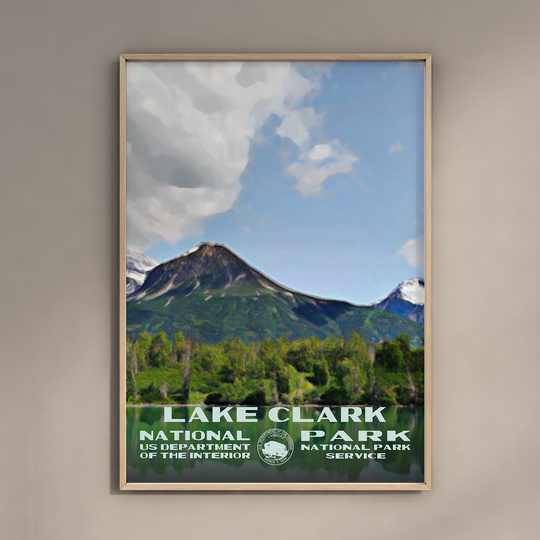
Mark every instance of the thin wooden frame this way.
pixel 345 57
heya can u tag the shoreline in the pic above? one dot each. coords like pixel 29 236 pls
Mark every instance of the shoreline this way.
pixel 143 405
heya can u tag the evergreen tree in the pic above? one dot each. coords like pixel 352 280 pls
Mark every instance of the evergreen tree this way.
pixel 186 362
pixel 300 355
pixel 358 352
pixel 143 350
pixel 404 343
pixel 389 356
pixel 131 388
pixel 417 362
pixel 160 350
pixel 320 373
pixel 179 342
pixel 333 350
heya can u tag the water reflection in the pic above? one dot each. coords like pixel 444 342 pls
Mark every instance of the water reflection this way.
pixel 303 466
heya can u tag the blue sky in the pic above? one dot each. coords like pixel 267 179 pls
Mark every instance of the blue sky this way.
pixel 351 235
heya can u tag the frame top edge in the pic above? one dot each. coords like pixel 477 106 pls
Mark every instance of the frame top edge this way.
pixel 274 56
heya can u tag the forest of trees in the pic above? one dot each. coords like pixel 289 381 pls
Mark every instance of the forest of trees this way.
pixel 334 371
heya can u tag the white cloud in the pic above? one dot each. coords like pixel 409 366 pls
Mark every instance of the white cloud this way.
pixel 396 147
pixel 189 130
pixel 319 163
pixel 297 125
pixel 320 152
pixel 314 165
pixel 413 252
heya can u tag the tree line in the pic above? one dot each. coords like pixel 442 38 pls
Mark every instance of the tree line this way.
pixel 333 371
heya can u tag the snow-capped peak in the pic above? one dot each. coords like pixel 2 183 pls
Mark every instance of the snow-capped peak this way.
pixel 406 300
pixel 194 249
pixel 412 290
pixel 138 265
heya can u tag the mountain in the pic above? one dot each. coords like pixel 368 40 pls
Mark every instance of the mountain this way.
pixel 407 300
pixel 211 294
pixel 138 266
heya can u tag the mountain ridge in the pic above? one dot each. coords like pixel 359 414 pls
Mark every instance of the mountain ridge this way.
pixel 406 300
pixel 265 276
pixel 213 294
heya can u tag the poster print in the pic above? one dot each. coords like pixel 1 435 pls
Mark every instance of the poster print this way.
pixel 275 264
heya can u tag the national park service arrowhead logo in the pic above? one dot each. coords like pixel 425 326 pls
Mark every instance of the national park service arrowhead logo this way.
pixel 275 446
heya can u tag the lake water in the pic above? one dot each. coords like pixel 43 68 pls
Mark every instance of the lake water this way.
pixel 302 466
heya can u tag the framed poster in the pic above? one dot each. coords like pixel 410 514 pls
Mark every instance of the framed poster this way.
pixel 275 272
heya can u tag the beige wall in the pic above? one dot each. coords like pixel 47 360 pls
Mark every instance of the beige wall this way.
pixel 58 283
